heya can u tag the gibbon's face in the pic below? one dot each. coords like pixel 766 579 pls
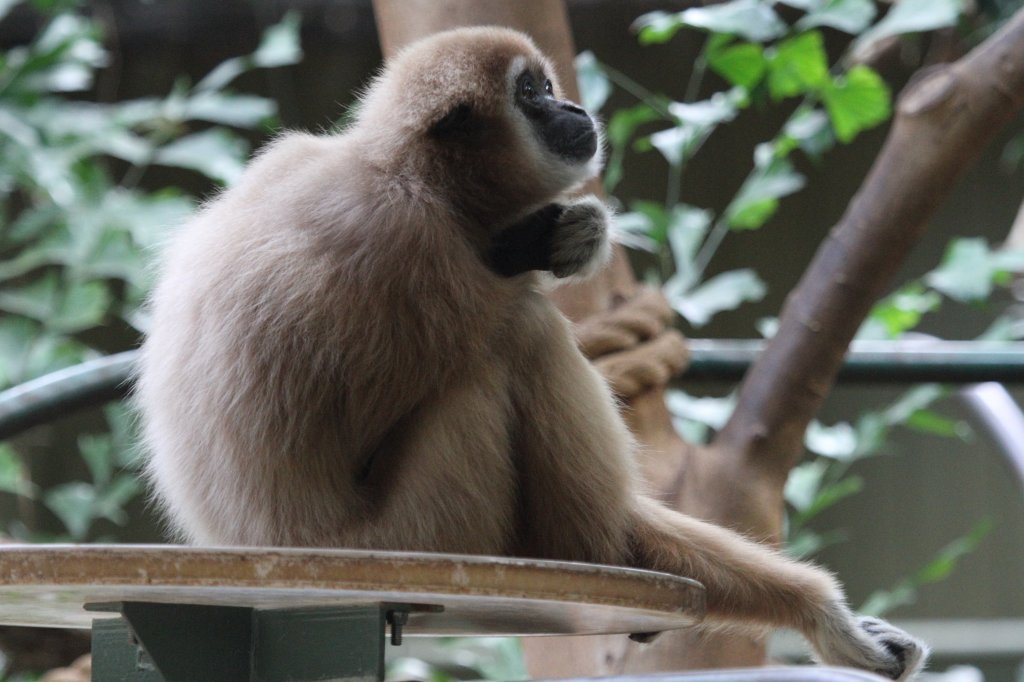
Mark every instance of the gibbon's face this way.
pixel 563 128
pixel 480 110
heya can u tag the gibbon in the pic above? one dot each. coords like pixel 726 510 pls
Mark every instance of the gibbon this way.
pixel 350 348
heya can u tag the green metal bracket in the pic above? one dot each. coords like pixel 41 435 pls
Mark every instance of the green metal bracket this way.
pixel 194 643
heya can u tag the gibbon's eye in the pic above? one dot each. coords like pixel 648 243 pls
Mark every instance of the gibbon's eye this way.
pixel 548 87
pixel 526 88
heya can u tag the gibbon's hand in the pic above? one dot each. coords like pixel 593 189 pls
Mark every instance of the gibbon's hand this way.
pixel 870 644
pixel 564 239
pixel 632 345
pixel 579 244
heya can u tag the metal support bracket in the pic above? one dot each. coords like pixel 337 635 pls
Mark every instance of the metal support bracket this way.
pixel 154 642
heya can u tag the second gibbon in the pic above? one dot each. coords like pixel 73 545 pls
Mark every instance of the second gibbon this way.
pixel 350 348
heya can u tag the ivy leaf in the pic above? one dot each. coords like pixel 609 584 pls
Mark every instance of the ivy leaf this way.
pixel 809 129
pixel 241 111
pixel 279 46
pixel 215 153
pixel 13 476
pixel 711 411
pixel 687 228
pixel 899 312
pixel 856 102
pixel 798 65
pixel 849 16
pixel 751 19
pixel 593 82
pixel 758 198
pixel 81 307
pixel 695 122
pixel 970 269
pixel 73 504
pixel 621 128
pixel 838 441
pixel 655 28
pixel 803 483
pixel 911 16
pixel 725 291
pixel 742 64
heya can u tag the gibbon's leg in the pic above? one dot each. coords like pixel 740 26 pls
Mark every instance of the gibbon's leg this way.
pixel 749 583
pixel 566 239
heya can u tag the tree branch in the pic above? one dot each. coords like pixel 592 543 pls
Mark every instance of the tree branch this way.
pixel 943 120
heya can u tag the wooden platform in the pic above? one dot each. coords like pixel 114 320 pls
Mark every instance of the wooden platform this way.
pixel 49 585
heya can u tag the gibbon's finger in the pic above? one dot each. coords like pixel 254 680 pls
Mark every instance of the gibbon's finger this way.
pixel 633 371
pixel 640 318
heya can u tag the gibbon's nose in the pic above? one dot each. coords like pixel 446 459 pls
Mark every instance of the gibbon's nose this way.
pixel 574 134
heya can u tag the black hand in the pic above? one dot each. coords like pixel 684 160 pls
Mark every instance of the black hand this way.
pixel 526 245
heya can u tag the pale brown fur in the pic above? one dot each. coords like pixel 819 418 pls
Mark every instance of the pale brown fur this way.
pixel 332 363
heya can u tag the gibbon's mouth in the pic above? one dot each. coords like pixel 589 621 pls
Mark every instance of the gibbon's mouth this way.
pixel 575 139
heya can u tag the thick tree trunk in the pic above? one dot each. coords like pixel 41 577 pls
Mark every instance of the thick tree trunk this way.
pixel 942 122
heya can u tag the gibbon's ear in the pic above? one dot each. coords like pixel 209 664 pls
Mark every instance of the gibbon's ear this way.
pixel 458 120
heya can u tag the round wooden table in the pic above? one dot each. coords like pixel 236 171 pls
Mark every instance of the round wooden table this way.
pixel 187 608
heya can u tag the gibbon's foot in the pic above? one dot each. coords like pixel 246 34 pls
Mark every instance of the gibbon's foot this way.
pixel 579 244
pixel 872 644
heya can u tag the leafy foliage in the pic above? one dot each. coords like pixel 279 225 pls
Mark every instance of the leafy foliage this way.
pixel 760 58
pixel 75 224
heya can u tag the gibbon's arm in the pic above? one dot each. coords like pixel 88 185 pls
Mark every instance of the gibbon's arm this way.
pixel 582 503
pixel 525 245
pixel 564 239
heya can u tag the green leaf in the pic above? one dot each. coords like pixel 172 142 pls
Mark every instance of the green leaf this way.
pixel 757 199
pixel 97 452
pixel 945 561
pixel 811 131
pixel 933 423
pixel 805 542
pixel 694 123
pixel 911 16
pixel 937 570
pixel 830 495
pixel 913 401
pixel 803 483
pixel 713 412
pixel 13 475
pixel 73 504
pixel 899 312
pixel 241 111
pixel 5 7
pixel 970 269
pixel 849 16
pixel 798 65
pixel 592 81
pixel 280 44
pixel 687 228
pixel 856 102
pixel 215 153
pixel 655 28
pixel 751 19
pixel 725 291
pixel 81 307
pixel 838 441
pixel 742 64
pixel 621 128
